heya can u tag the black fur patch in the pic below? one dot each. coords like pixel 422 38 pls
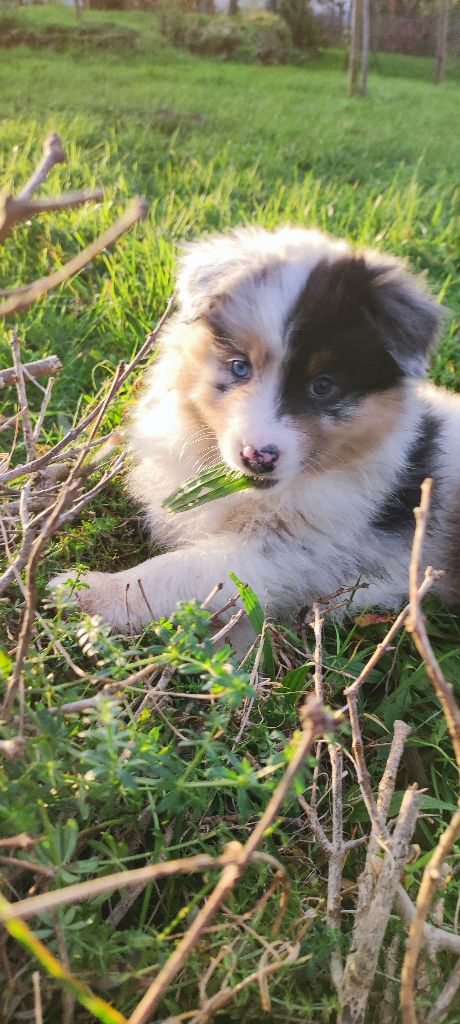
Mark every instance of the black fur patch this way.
pixel 332 331
pixel 397 511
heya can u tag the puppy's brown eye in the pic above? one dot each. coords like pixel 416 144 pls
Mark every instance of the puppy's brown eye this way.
pixel 322 387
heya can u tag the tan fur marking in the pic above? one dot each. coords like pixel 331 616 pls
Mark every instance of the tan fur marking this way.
pixel 344 443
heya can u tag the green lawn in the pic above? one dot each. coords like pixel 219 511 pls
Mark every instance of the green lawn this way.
pixel 210 146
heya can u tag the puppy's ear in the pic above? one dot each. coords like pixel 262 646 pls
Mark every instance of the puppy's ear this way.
pixel 407 317
pixel 207 270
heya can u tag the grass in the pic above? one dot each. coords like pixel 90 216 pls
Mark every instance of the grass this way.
pixel 211 146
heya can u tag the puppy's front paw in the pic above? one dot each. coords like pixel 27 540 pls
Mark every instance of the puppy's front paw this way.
pixel 67 585
pixel 96 593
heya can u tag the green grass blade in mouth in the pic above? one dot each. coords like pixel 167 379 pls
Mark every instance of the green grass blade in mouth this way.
pixel 217 482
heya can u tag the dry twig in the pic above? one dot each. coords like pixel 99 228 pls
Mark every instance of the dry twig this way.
pixel 23 841
pixel 233 863
pixel 442 1003
pixel 38 368
pixel 432 877
pixel 335 849
pixel 315 721
pixel 74 501
pixel 20 299
pixel 416 624
pixel 38 1012
pixel 386 789
pixel 389 995
pixel 17 209
pixel 444 690
pixel 361 964
pixel 225 995
pixel 23 403
pixel 45 460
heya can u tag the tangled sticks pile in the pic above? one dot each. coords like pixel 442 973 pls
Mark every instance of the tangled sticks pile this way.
pixel 45 492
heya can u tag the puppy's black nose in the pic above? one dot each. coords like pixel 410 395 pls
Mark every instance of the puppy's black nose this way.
pixel 260 460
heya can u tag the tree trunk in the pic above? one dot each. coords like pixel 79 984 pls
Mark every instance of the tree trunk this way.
pixel 77 6
pixel 441 41
pixel 233 6
pixel 353 55
pixel 365 24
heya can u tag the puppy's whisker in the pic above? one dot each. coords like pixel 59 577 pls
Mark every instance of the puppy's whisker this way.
pixel 196 435
pixel 194 439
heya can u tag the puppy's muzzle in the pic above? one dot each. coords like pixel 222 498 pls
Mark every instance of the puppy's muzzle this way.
pixel 260 460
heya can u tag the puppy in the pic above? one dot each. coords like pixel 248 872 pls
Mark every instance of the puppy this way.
pixel 301 363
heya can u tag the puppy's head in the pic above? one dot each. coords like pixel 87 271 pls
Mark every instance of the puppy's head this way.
pixel 296 351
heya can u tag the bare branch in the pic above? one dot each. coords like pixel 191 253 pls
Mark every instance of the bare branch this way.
pixel 165 976
pixel 46 902
pixel 217 1001
pixel 416 625
pixel 60 446
pixel 215 590
pixel 334 881
pixel 362 963
pixel 315 721
pixel 67 517
pixel 336 848
pixel 10 422
pixel 432 876
pixel 43 407
pixel 228 626
pixel 386 789
pixel 23 841
pixel 442 1003
pixel 27 865
pixel 23 403
pixel 435 939
pixel 392 632
pixel 66 497
pixel 364 781
pixel 53 153
pixel 136 210
pixel 19 562
pixel 387 784
pixel 38 1012
pixel 14 210
pixel 389 994
pixel 124 904
pixel 38 368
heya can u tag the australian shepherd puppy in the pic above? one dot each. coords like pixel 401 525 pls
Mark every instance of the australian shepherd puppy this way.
pixel 301 363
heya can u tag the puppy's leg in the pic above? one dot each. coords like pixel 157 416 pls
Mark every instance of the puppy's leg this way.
pixel 153 589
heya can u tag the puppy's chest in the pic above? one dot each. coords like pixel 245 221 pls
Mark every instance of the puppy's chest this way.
pixel 294 528
pixel 326 539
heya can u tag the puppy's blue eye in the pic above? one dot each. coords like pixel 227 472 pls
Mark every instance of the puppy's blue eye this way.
pixel 241 368
pixel 322 387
